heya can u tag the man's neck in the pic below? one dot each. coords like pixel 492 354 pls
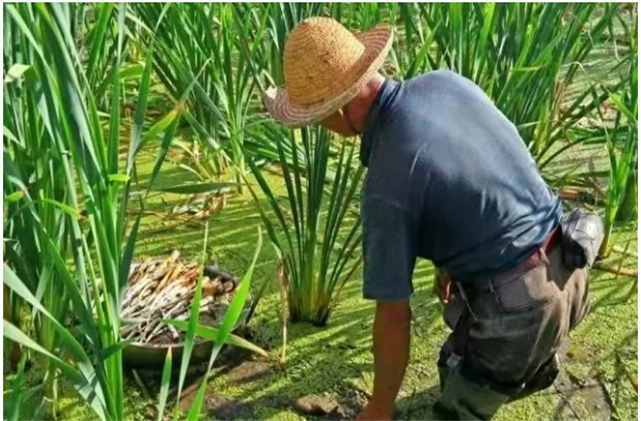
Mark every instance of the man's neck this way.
pixel 358 109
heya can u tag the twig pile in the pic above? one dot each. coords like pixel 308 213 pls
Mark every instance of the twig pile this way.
pixel 164 289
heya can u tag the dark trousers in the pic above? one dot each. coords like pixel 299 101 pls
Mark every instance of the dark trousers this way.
pixel 505 338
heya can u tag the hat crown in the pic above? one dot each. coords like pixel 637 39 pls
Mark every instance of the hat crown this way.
pixel 319 58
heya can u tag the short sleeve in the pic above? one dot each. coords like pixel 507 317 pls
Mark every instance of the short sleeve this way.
pixel 389 250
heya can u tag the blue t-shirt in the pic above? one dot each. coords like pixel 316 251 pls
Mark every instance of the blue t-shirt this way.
pixel 449 179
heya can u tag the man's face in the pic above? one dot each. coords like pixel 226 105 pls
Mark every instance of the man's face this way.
pixel 338 123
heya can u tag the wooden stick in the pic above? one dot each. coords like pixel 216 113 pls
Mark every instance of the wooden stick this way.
pixel 566 193
pixel 579 195
pixel 633 273
pixel 624 250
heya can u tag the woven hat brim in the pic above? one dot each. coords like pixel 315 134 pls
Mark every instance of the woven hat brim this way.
pixel 377 43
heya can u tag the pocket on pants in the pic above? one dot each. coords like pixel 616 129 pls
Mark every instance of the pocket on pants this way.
pixel 528 292
pixel 581 302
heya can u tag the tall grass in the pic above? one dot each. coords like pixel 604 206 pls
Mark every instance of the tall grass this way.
pixel 40 203
pixel 85 191
pixel 315 239
pixel 628 104
pixel 622 150
pixel 67 190
pixel 199 37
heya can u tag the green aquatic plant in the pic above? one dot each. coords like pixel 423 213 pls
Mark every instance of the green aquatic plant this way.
pixel 315 234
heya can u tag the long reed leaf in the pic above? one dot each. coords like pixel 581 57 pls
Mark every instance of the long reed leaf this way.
pixel 164 385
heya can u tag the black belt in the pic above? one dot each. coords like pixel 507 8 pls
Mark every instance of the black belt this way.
pixel 476 286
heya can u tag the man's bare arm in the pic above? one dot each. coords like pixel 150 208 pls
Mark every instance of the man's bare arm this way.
pixel 391 354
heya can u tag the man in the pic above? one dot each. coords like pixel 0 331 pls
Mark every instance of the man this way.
pixel 449 179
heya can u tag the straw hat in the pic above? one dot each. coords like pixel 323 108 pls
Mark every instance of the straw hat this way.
pixel 325 66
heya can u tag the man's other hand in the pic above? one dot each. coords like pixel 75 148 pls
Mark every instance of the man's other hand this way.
pixel 373 411
pixel 442 285
pixel 391 353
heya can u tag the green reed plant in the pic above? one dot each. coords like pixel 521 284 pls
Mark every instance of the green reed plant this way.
pixel 69 196
pixel 96 30
pixel 22 148
pixel 314 237
pixel 183 58
pixel 203 36
pixel 91 189
pixel 623 146
pixel 35 179
pixel 628 208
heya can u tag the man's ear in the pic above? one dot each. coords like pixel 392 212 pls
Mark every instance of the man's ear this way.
pixel 345 114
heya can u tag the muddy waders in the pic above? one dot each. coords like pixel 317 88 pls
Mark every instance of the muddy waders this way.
pixel 506 332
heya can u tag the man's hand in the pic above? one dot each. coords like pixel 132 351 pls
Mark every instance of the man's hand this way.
pixel 391 353
pixel 442 285
pixel 372 412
